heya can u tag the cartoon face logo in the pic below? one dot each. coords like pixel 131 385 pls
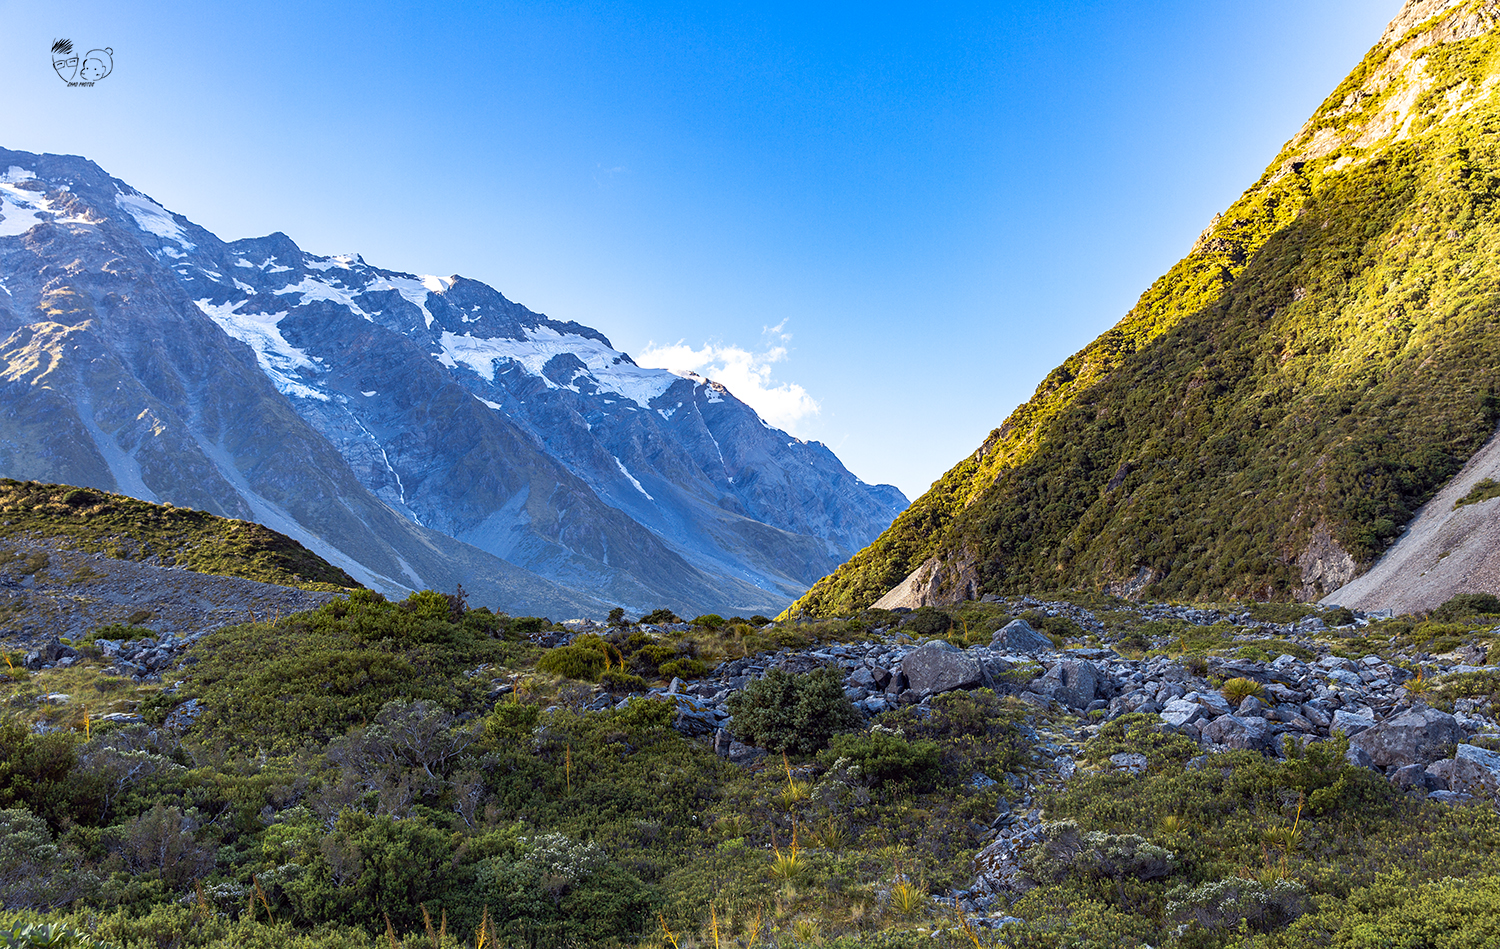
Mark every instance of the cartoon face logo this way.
pixel 62 60
pixel 97 64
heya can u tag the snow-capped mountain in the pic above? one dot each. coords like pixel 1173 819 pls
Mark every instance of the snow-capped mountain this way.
pixel 532 442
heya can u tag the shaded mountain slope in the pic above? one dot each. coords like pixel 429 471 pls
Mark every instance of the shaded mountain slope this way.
pixel 1274 408
pixel 415 431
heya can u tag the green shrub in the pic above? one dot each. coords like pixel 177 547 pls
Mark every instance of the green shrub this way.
pixel 1467 606
pixel 35 871
pixel 1339 617
pixel 660 617
pixel 617 681
pixel 1144 734
pixel 312 676
pixel 1229 903
pixel 575 661
pixel 710 621
pixel 685 668
pixel 120 631
pixel 885 756
pixel 797 714
pixel 1064 850
pixel 1238 689
pixel 1483 490
pixel 927 621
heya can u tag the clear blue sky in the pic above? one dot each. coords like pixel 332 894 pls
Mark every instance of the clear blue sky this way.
pixel 935 204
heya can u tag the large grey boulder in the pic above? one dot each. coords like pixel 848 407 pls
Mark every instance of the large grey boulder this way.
pixel 1233 731
pixel 1351 723
pixel 1464 776
pixel 1073 682
pixel 1180 712
pixel 1480 756
pixel 1419 735
pixel 1018 636
pixel 941 667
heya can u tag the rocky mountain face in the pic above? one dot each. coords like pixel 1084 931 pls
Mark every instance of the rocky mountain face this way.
pixel 415 431
pixel 1276 407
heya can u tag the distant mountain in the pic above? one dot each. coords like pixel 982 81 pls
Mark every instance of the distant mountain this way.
pixel 416 431
pixel 1277 406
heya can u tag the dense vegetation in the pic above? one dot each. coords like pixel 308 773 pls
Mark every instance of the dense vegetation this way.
pixel 404 774
pixel 127 529
pixel 1320 364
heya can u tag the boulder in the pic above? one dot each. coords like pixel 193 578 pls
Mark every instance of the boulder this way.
pixel 1351 723
pixel 1418 736
pixel 1073 682
pixel 1236 732
pixel 1413 777
pixel 940 667
pixel 1480 756
pixel 1463 776
pixel 1180 712
pixel 1018 636
pixel 1213 701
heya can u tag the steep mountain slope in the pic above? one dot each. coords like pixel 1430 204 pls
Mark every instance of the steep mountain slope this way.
pixel 377 416
pixel 1273 409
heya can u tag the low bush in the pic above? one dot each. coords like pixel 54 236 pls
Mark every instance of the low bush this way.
pixel 885 756
pixel 927 621
pixel 796 714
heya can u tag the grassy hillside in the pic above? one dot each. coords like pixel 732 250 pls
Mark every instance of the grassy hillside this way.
pixel 1319 364
pixel 128 529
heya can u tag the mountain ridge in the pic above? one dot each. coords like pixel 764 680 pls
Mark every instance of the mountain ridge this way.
pixel 1269 363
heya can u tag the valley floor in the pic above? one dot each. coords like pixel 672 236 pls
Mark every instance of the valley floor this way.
pixel 1083 772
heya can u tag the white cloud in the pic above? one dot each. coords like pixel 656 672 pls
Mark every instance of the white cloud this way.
pixel 744 373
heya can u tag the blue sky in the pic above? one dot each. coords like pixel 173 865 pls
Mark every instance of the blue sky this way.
pixel 882 225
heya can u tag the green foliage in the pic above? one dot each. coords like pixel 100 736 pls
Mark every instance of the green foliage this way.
pixel 927 621
pixel 1483 490
pixel 48 936
pixel 35 871
pixel 885 756
pixel 1238 689
pixel 120 631
pixel 975 731
pixel 36 772
pixel 125 528
pixel 1467 607
pixel 1144 734
pixel 710 621
pixel 796 714
pixel 1231 903
pixel 1064 851
pixel 617 681
pixel 574 661
pixel 659 617
pixel 310 677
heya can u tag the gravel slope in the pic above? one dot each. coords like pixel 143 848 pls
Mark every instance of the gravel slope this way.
pixel 75 592
pixel 1444 551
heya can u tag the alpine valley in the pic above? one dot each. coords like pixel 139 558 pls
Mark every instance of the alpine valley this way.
pixel 418 432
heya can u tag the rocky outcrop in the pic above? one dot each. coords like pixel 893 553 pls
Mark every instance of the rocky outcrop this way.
pixel 937 582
